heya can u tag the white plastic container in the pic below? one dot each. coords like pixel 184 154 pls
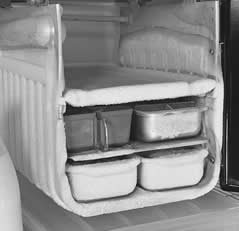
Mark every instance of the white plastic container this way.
pixel 102 180
pixel 167 169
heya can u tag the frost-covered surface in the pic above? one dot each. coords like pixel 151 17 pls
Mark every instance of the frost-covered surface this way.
pixel 164 49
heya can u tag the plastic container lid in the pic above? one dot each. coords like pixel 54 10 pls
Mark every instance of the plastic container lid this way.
pixel 182 155
pixel 104 168
pixel 155 109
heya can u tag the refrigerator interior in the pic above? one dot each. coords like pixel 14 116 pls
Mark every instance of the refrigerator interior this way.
pixel 74 74
pixel 117 75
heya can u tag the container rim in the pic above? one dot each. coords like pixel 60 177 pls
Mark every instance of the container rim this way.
pixel 179 158
pixel 170 111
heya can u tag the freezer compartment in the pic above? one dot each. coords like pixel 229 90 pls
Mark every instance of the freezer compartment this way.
pixel 94 180
pixel 167 121
pixel 172 168
pixel 81 130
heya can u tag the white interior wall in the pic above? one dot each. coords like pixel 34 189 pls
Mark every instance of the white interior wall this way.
pixel 90 42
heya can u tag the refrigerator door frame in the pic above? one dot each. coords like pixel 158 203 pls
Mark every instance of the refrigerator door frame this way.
pixel 226 182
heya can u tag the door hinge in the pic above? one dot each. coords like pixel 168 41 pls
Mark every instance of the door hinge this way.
pixel 211 158
pixel 221 44
pixel 61 109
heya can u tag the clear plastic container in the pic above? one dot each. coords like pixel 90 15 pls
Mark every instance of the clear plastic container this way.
pixel 81 130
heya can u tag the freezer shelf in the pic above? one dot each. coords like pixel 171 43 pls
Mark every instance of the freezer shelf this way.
pixel 215 211
pixel 104 85
pixel 137 147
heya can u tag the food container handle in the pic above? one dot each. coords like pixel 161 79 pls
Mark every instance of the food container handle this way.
pixel 186 110
pixel 106 135
pixel 200 109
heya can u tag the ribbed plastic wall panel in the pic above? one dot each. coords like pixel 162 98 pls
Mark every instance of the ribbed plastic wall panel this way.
pixel 25 124
pixel 30 87
pixel 29 92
